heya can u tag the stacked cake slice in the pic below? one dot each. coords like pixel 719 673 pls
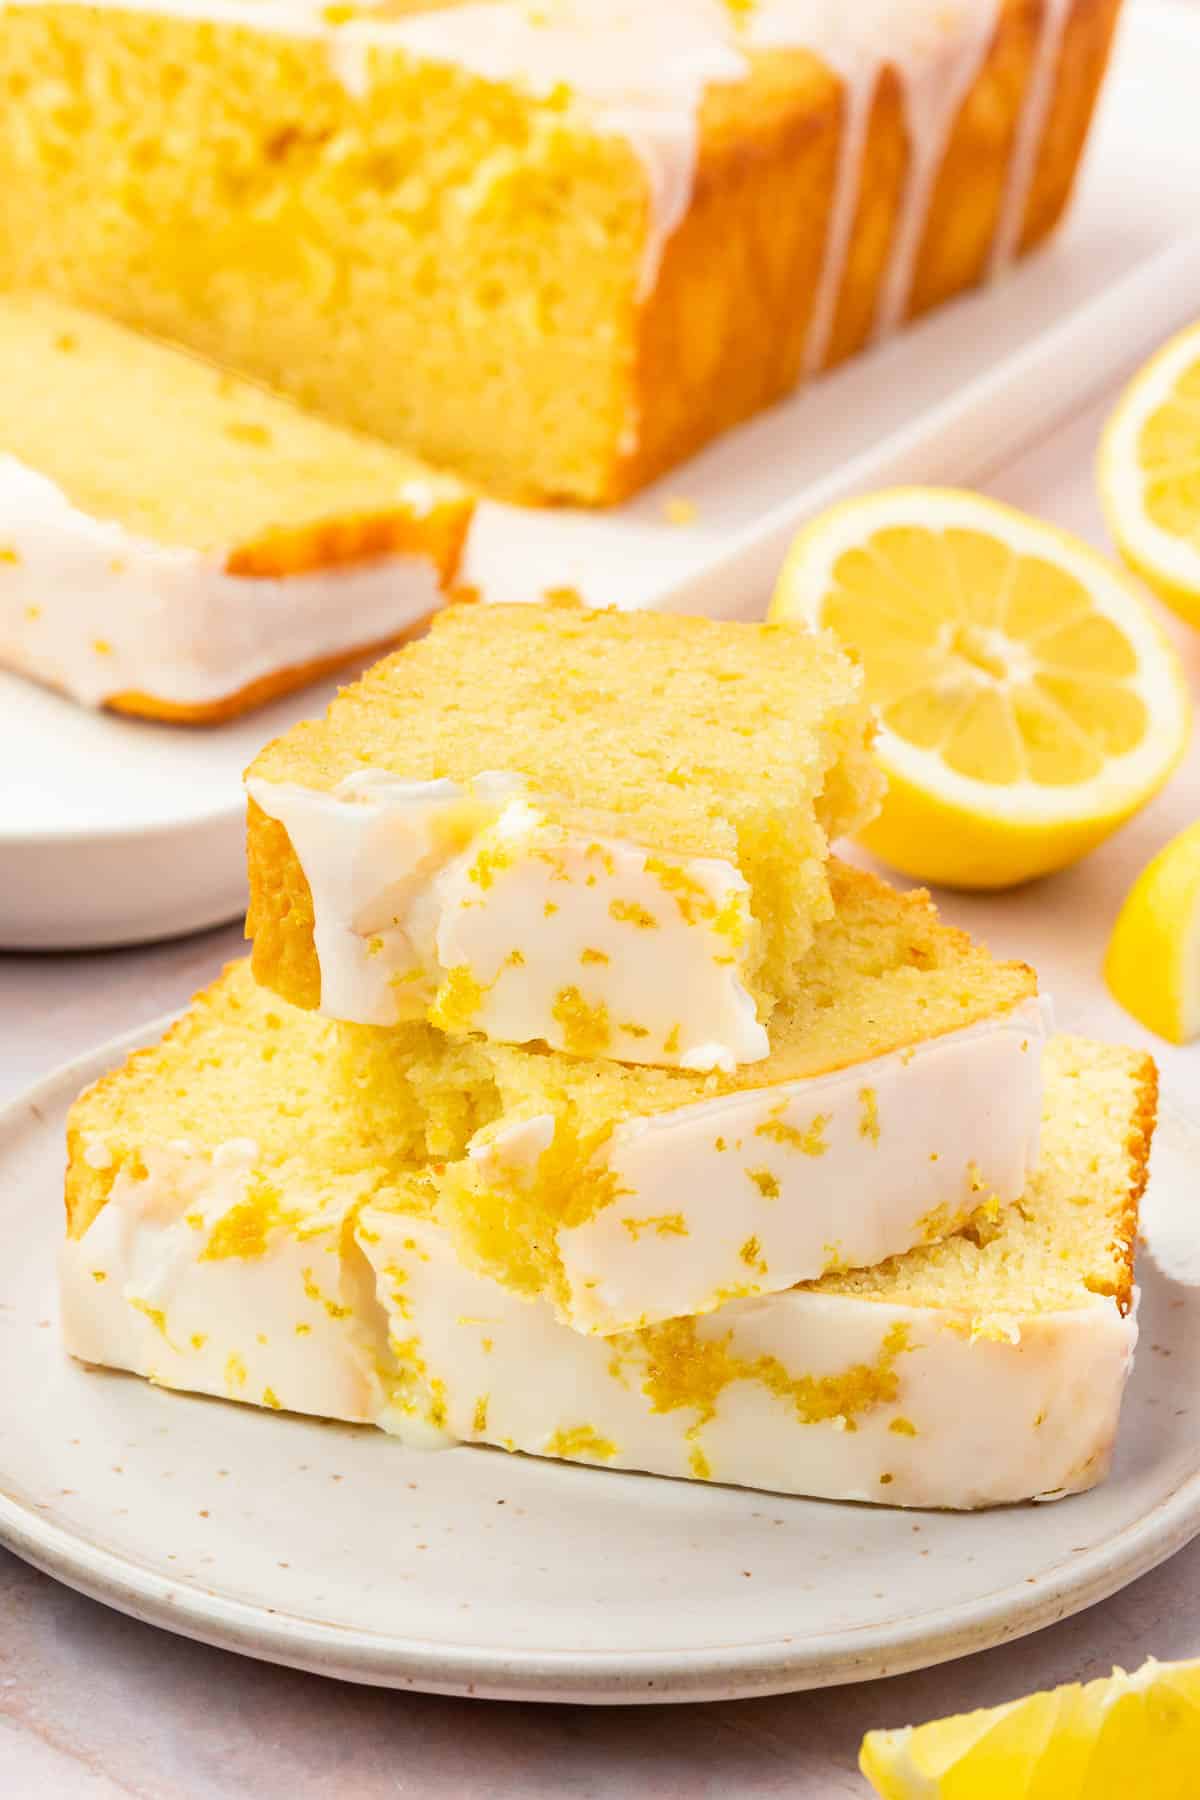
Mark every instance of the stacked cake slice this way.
pixel 637 1129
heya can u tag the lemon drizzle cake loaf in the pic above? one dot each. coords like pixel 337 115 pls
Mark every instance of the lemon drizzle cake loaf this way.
pixel 242 1223
pixel 606 831
pixel 175 541
pixel 557 246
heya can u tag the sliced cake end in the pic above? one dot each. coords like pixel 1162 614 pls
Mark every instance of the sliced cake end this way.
pixel 179 542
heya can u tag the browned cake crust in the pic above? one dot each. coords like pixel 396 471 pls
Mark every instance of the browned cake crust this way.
pixel 724 332
pixel 1138 1142
pixel 439 535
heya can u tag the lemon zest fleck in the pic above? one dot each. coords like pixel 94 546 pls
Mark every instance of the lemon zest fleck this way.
pixel 580 1441
pixel 683 1369
pixel 810 1142
pixel 766 1183
pixel 632 912
pixel 458 1001
pixel 662 1225
pixel 586 1029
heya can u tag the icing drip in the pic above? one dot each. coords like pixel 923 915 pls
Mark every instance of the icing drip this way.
pixel 938 56
pixel 1034 117
pixel 641 72
pixel 857 96
pixel 934 87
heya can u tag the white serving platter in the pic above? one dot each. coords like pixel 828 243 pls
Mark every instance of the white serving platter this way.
pixel 119 831
pixel 945 401
pixel 335 1549
pixel 116 832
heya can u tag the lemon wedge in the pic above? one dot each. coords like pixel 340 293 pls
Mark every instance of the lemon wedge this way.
pixel 1153 961
pixel 1029 702
pixel 1149 471
pixel 1127 1737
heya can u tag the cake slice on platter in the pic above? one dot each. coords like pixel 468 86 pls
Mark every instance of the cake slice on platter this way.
pixel 605 831
pixel 178 543
pixel 244 1222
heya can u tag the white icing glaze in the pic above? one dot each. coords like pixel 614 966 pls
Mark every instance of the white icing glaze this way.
pixel 1034 117
pixel 292 1327
pixel 858 92
pixel 986 1411
pixel 937 52
pixel 440 1354
pixel 88 607
pixel 758 1190
pixel 415 883
pixel 935 87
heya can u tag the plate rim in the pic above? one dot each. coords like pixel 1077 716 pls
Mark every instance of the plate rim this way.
pixel 618 1677
pixel 107 832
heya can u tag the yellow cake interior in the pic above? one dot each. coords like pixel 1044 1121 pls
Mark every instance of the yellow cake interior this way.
pixel 183 453
pixel 457 263
pixel 242 1065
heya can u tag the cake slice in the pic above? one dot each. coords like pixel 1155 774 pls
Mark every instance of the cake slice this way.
pixel 242 1222
pixel 901 1100
pixel 982 1370
pixel 604 831
pixel 901 1103
pixel 178 542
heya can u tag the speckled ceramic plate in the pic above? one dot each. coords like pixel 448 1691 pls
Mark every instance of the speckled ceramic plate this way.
pixel 467 1571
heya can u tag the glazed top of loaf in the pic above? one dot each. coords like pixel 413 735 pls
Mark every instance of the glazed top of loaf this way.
pixel 642 70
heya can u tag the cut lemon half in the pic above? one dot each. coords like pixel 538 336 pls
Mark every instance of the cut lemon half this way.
pixel 1028 701
pixel 1153 961
pixel 1128 1737
pixel 1149 471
